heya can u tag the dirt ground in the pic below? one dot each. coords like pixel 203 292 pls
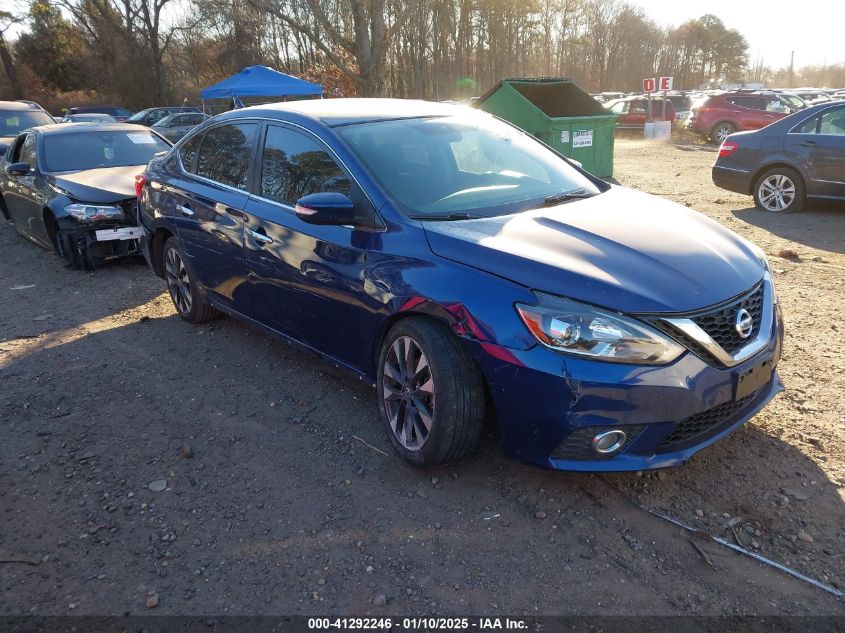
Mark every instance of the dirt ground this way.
pixel 273 504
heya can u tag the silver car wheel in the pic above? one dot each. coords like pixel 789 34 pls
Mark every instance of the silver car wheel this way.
pixel 178 282
pixel 776 193
pixel 408 393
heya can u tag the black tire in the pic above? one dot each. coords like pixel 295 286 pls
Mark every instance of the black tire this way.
pixel 182 285
pixel 780 190
pixel 721 131
pixel 457 402
pixel 51 226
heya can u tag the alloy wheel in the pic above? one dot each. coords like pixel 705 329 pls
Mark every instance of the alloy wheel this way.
pixel 178 282
pixel 722 132
pixel 776 192
pixel 408 393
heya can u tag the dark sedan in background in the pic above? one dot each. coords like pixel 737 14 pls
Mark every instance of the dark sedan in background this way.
pixel 16 116
pixel 175 126
pixel 91 117
pixel 71 187
pixel 151 116
pixel 120 114
pixel 801 156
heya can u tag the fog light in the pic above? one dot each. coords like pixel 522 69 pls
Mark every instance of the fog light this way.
pixel 608 442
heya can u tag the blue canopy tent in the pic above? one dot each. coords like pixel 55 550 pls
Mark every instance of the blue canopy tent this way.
pixel 261 81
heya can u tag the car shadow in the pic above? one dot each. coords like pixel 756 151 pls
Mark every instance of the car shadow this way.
pixel 820 225
pixel 292 482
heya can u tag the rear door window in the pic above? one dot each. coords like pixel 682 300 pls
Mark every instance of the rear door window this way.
pixel 833 122
pixel 226 154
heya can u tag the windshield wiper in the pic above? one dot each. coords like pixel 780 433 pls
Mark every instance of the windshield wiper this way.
pixel 458 215
pixel 575 194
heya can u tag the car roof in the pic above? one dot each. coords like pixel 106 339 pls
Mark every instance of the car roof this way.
pixel 60 128
pixel 20 106
pixel 346 111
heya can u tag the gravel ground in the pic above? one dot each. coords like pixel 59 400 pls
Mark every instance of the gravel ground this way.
pixel 149 466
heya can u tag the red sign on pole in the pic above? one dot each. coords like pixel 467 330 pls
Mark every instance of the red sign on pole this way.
pixel 665 83
pixel 648 85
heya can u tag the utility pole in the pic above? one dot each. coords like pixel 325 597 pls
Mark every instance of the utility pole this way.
pixel 792 69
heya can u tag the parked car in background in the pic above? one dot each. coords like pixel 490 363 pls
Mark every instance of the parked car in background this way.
pixel 811 97
pixel 150 116
pixel 90 117
pixel 120 114
pixel 32 103
pixel 16 116
pixel 801 156
pixel 175 126
pixel 682 104
pixel 634 111
pixel 71 187
pixel 468 271
pixel 716 117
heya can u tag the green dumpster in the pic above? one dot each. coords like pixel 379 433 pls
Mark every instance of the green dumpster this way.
pixel 561 115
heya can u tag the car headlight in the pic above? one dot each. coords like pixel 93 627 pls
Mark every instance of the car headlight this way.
pixel 93 212
pixel 764 262
pixel 583 330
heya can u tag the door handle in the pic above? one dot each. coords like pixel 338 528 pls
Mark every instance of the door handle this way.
pixel 810 143
pixel 263 238
pixel 184 210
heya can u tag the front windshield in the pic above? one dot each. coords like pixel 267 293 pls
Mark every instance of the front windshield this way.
pixel 77 151
pixel 139 116
pixel 13 123
pixel 437 167
pixel 163 122
pixel 794 103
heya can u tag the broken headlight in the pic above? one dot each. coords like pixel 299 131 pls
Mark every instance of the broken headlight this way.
pixel 94 212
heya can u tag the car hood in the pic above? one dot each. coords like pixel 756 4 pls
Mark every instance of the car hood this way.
pixel 623 250
pixel 98 185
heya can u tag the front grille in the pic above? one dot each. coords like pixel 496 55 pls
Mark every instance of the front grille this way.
pixel 700 426
pixel 578 446
pixel 720 323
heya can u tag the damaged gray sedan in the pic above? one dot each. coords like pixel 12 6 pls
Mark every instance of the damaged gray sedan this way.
pixel 71 188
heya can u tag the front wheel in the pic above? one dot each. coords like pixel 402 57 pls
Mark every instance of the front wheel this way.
pixel 431 394
pixel 183 289
pixel 721 131
pixel 780 190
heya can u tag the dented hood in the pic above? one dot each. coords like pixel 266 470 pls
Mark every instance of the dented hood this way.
pixel 107 184
pixel 623 250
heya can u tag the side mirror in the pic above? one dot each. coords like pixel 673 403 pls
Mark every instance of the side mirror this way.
pixel 18 169
pixel 326 208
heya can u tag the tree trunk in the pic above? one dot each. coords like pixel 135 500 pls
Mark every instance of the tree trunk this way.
pixel 11 71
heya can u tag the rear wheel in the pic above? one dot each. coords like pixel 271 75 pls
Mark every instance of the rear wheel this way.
pixel 431 394
pixel 721 131
pixel 780 190
pixel 182 287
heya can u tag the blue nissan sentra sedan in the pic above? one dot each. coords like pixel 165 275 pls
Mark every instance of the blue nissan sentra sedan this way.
pixel 469 273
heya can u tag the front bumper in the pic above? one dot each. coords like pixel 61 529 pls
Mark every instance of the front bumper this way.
pixel 544 399
pixel 84 244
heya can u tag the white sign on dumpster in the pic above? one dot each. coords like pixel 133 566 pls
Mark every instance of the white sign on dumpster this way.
pixel 582 138
pixel 564 136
